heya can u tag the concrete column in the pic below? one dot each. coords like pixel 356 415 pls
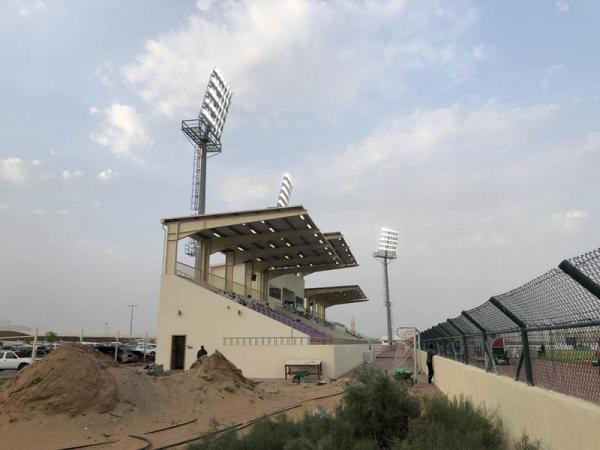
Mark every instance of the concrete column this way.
pixel 171 248
pixel 204 261
pixel 248 278
pixel 229 272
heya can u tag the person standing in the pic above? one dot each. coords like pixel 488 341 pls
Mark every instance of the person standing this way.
pixel 430 353
pixel 202 352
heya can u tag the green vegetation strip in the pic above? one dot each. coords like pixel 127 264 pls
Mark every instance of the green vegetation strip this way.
pixel 377 413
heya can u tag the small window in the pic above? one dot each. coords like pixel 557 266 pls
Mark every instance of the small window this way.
pixel 1 355
pixel 11 355
pixel 275 292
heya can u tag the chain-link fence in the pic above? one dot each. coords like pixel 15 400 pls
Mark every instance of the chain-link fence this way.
pixel 545 333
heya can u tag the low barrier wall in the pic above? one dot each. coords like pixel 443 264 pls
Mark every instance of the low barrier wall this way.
pixel 558 421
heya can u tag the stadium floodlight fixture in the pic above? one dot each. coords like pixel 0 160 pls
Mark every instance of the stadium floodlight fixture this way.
pixel 205 134
pixel 386 253
pixel 285 191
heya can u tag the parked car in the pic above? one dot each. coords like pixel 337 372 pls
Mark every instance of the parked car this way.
pixel 10 360
pixel 123 356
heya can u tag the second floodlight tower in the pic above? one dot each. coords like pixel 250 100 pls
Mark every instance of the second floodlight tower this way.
pixel 385 254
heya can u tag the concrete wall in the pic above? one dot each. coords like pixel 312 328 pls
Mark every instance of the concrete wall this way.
pixel 559 421
pixel 268 361
pixel 206 318
pixel 289 281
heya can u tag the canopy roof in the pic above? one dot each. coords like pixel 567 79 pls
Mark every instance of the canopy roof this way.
pixel 336 295
pixel 281 240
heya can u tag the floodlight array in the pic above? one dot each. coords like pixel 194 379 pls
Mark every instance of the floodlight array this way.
pixel 216 102
pixel 285 192
pixel 388 241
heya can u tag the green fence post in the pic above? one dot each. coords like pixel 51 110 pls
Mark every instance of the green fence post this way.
pixel 486 349
pixel 581 278
pixel 524 338
pixel 464 339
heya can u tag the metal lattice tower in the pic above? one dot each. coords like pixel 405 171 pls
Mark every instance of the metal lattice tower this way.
pixel 386 253
pixel 205 135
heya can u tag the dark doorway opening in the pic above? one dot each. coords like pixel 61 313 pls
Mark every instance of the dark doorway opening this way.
pixel 177 352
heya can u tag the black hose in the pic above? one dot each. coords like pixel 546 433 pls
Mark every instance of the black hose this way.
pixel 88 445
pixel 172 426
pixel 148 444
pixel 246 424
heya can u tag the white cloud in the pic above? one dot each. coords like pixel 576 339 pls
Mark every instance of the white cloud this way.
pixel 63 212
pixel 30 8
pixel 417 138
pixel 14 170
pixel 562 7
pixel 107 175
pixel 318 56
pixel 93 110
pixel 571 217
pixel 122 130
pixel 243 191
pixel 69 175
pixel 37 212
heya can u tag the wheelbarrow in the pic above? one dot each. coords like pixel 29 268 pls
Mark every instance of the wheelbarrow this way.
pixel 402 374
pixel 300 375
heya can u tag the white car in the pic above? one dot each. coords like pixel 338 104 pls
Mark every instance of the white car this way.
pixel 9 360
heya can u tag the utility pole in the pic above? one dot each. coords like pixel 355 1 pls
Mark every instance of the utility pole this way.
pixel 105 328
pixel 131 320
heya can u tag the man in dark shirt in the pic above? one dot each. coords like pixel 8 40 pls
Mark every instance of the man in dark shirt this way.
pixel 430 354
pixel 202 352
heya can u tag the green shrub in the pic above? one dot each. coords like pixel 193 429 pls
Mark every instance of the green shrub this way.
pixel 454 424
pixel 525 444
pixel 378 408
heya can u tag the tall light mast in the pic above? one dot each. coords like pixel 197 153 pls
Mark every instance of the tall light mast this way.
pixel 385 254
pixel 205 134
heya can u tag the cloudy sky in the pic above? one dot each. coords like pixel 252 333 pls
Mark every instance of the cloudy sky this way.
pixel 471 127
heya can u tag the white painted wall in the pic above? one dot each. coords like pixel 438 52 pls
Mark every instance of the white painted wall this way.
pixel 559 421
pixel 206 318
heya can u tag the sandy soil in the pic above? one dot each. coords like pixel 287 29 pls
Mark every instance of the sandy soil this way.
pixel 43 408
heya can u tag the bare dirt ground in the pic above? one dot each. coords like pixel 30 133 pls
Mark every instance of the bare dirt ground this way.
pixel 77 397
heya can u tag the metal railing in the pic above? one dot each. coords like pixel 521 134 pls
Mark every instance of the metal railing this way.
pixel 215 282
pixel 546 332
pixel 257 341
pixel 190 273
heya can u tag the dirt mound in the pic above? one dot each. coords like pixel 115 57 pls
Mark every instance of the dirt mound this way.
pixel 73 379
pixel 217 368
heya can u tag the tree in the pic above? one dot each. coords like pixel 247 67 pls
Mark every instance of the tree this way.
pixel 50 336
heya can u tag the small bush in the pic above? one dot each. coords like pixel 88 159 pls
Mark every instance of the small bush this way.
pixel 456 423
pixel 525 444
pixel 378 408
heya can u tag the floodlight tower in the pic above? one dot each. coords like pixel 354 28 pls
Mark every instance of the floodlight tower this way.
pixel 285 192
pixel 386 252
pixel 205 134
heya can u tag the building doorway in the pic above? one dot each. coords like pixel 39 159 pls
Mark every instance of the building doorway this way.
pixel 177 352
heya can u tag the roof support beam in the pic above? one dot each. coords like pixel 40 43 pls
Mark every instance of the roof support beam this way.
pixel 191 225
pixel 288 262
pixel 220 244
pixel 247 255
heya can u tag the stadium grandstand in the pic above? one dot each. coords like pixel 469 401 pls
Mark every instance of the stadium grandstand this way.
pixel 254 307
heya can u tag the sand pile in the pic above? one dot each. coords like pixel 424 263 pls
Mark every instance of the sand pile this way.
pixel 72 379
pixel 217 368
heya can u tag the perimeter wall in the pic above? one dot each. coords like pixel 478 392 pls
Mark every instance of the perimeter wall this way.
pixel 559 421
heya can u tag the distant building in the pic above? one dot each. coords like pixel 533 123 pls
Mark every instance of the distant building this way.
pixel 7 329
